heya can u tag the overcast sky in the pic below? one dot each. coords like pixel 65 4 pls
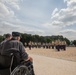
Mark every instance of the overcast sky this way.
pixel 42 17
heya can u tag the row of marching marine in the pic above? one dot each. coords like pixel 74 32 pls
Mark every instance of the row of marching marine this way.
pixel 38 45
pixel 59 45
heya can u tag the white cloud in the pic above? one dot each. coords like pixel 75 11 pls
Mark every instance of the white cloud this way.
pixel 55 11
pixel 12 3
pixel 13 18
pixel 3 9
pixel 5 12
pixel 69 33
pixel 7 7
pixel 66 16
pixel 8 19
pixel 70 3
pixel 39 32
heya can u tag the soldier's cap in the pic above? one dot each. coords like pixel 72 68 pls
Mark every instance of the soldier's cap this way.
pixel 16 34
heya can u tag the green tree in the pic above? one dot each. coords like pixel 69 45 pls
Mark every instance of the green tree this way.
pixel 74 42
pixel 67 41
pixel 23 38
pixel 1 38
pixel 48 40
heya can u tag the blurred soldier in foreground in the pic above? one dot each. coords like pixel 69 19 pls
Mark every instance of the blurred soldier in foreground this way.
pixel 15 45
pixel 7 37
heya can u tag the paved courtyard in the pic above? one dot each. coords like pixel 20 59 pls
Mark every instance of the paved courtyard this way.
pixel 53 66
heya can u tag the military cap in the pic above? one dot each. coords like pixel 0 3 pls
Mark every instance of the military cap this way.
pixel 15 34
